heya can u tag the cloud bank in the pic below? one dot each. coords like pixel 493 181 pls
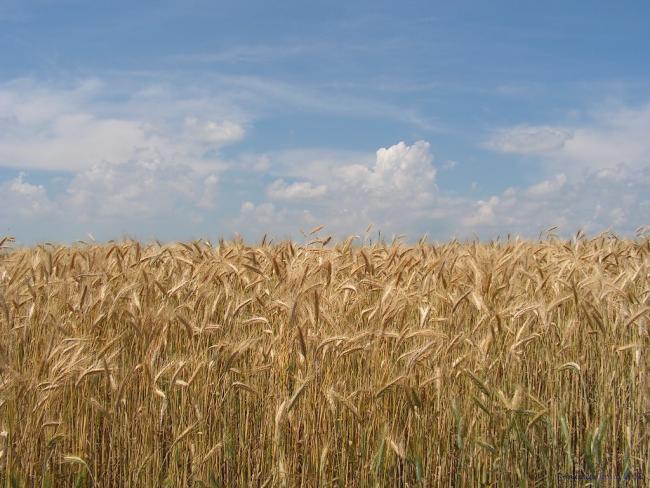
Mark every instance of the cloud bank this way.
pixel 83 158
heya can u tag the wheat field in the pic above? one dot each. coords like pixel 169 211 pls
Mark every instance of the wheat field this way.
pixel 503 363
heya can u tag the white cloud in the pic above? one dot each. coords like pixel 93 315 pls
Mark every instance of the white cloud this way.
pixel 484 212
pixel 547 187
pixel 267 218
pixel 526 139
pixel 143 188
pixel 602 173
pixel 398 171
pixel 141 156
pixel 250 53
pixel 393 189
pixel 73 128
pixel 263 93
pixel 449 164
pixel 213 134
pixel 300 190
pixel 210 192
pixel 72 142
pixel 387 177
pixel 24 199
pixel 591 202
pixel 264 213
pixel 316 165
pixel 611 136
pixel 384 191
pixel 153 157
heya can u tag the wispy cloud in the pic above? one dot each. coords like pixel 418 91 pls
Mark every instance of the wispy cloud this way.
pixel 260 53
pixel 282 96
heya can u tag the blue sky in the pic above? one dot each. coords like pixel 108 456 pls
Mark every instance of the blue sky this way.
pixel 181 120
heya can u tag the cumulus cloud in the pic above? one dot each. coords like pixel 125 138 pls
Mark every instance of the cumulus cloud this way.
pixel 387 191
pixel 215 134
pixel 392 188
pixel 604 165
pixel 145 155
pixel 265 213
pixel 72 128
pixel 593 203
pixel 208 199
pixel 300 190
pixel 485 212
pixel 548 187
pixel 70 142
pixel 140 195
pixel 398 171
pixel 397 167
pixel 138 189
pixel 266 217
pixel 24 199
